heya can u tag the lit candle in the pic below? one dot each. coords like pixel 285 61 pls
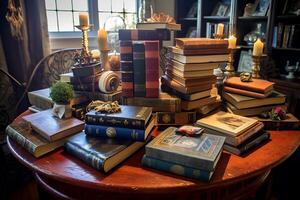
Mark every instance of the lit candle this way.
pixel 95 54
pixel 102 39
pixel 258 48
pixel 114 61
pixel 83 19
pixel 232 42
pixel 220 29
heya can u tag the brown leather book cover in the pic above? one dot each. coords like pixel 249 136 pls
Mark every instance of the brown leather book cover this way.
pixel 247 92
pixel 186 82
pixel 203 51
pixel 53 128
pixel 200 43
pixel 256 85
pixel 190 105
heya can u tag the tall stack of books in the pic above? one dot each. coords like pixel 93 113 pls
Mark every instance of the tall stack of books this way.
pixel 251 98
pixel 193 157
pixel 242 133
pixel 189 73
pixel 109 138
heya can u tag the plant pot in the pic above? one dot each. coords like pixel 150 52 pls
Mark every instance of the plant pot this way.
pixel 62 111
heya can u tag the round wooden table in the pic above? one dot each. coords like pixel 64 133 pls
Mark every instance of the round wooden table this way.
pixel 67 177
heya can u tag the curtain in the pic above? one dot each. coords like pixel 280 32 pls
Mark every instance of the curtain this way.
pixel 22 54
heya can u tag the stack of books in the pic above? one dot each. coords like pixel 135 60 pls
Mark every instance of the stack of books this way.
pixel 193 157
pixel 109 138
pixel 189 73
pixel 242 133
pixel 251 98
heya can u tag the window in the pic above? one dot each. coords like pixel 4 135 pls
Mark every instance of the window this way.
pixel 63 15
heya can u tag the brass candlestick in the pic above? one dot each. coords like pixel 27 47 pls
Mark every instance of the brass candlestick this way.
pixel 85 52
pixel 229 69
pixel 218 36
pixel 256 66
pixel 104 59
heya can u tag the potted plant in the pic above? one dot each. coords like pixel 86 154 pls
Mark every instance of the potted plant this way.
pixel 61 93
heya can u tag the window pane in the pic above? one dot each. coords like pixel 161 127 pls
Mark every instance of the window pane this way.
pixel 64 5
pixel 50 4
pixel 130 5
pixel 117 5
pixel 104 5
pixel 52 21
pixel 65 21
pixel 80 5
pixel 102 18
pixel 130 20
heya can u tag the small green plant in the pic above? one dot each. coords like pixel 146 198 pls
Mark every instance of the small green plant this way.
pixel 61 92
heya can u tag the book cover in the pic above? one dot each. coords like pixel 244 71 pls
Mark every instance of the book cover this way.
pixel 227 123
pixel 202 51
pixel 178 169
pixel 190 105
pixel 189 67
pixel 186 82
pixel 199 59
pixel 35 144
pixel 158 25
pixel 126 66
pixel 127 84
pixel 179 118
pixel 248 144
pixel 101 154
pixel 243 102
pixel 134 34
pixel 139 75
pixel 126 51
pixel 256 85
pixel 115 96
pixel 200 43
pixel 129 117
pixel 103 131
pixel 187 75
pixel 165 102
pixel 53 128
pixel 247 92
pixel 152 68
pixel 198 152
pixel 209 107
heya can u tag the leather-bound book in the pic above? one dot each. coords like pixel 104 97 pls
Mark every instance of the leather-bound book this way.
pixel 200 43
pixel 186 82
pixel 203 51
pixel 247 93
pixel 134 34
pixel 190 105
pixel 189 67
pixel 139 75
pixel 256 85
pixel 126 68
pixel 199 58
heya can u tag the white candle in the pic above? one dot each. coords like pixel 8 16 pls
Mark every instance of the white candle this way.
pixel 258 48
pixel 102 39
pixel 83 19
pixel 232 42
pixel 220 29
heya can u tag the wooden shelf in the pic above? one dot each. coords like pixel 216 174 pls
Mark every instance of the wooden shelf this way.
pixel 288 17
pixel 254 18
pixel 286 49
pixel 216 18
pixel 189 19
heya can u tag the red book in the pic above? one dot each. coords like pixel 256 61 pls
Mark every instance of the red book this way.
pixel 152 68
pixel 126 68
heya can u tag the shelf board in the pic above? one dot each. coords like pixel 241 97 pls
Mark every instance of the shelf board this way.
pixel 288 17
pixel 216 18
pixel 286 49
pixel 245 47
pixel 254 18
pixel 188 19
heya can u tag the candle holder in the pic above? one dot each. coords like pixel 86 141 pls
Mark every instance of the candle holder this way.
pixel 85 52
pixel 256 65
pixel 218 36
pixel 104 59
pixel 229 69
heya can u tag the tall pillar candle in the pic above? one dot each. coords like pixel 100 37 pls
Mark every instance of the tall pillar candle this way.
pixel 258 48
pixel 102 39
pixel 220 29
pixel 83 19
pixel 232 42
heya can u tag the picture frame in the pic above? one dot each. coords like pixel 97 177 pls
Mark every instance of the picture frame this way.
pixel 193 11
pixel 261 8
pixel 245 62
pixel 192 32
pixel 220 10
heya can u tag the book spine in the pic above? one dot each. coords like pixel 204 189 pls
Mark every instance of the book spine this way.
pixel 176 169
pixel 134 34
pixel 126 68
pixel 275 37
pixel 115 132
pixel 243 137
pixel 168 89
pixel 279 35
pixel 152 68
pixel 290 42
pixel 139 77
pixel 114 121
pixel 244 92
pixel 20 139
pixel 100 96
pixel 87 157
pixel 171 118
pixel 86 87
pixel 286 34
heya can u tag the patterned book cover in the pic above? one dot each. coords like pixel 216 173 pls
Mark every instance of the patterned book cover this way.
pixel 199 152
pixel 134 34
pixel 126 51
pixel 152 68
pixel 178 169
pixel 139 75
pixel 127 84
pixel 129 117
pixel 126 68
pixel 179 118
pixel 101 154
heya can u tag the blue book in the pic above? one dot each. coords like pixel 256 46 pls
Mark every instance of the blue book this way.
pixel 139 74
pixel 202 152
pixel 177 169
pixel 103 131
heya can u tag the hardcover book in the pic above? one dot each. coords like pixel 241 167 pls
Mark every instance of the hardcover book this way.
pixel 104 131
pixel 189 74
pixel 188 67
pixel 190 105
pixel 126 52
pixel 200 51
pixel 127 84
pixel 158 25
pixel 243 102
pixel 115 96
pixel 126 66
pixel 247 92
pixel 190 81
pixel 134 34
pixel 178 169
pixel 199 59
pixel 227 123
pixel 200 43
pixel 129 117
pixel 139 75
pixel 53 128
pixel 201 152
pixel 35 144
pixel 179 118
pixel 102 154
pixel 152 68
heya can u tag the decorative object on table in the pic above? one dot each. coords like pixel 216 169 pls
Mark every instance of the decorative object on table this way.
pixel 95 55
pixel 104 107
pixel 291 69
pixel 289 123
pixel 145 10
pixel 103 47
pixel 190 131
pixel 108 82
pixel 192 11
pixel 112 25
pixel 61 93
pixel 245 62
pixel 248 10
pixel 114 61
pixel 278 113
pixel 220 31
pixel 262 7
pixel 15 19
pixel 229 69
pixel 246 76
pixel 253 36
pixel 221 9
